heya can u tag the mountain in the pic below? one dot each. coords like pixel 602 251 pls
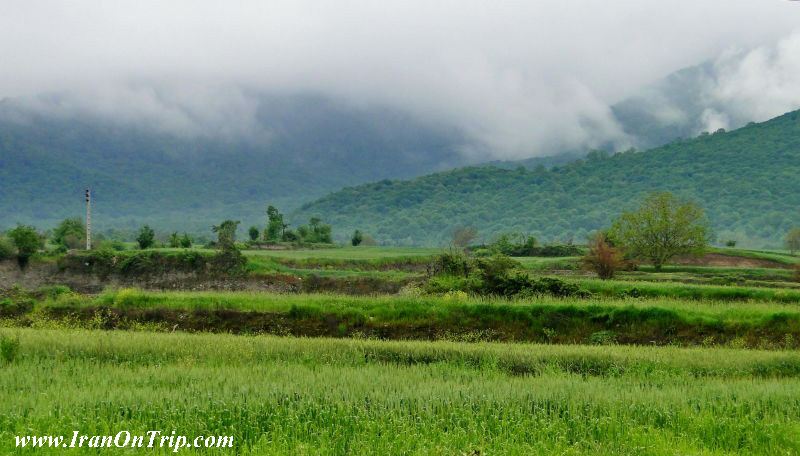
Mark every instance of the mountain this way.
pixel 302 147
pixel 747 180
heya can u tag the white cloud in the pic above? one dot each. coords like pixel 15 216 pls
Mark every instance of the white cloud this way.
pixel 520 76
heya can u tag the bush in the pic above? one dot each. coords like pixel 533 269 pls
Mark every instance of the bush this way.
pixel 603 258
pixel 450 263
pixel 498 275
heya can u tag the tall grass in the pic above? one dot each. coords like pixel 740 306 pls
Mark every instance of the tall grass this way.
pixel 329 397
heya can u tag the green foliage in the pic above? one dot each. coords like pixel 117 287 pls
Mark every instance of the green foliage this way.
pixel 174 240
pixel 663 227
pixel 226 234
pixel 792 240
pixel 254 233
pixel 70 234
pixel 117 245
pixel 357 238
pixel 746 180
pixel 27 242
pixel 146 237
pixel 275 225
pixel 498 275
pixel 105 263
pixel 186 241
pixel 514 244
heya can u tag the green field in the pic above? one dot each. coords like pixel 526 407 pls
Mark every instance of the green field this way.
pixel 321 396
pixel 689 360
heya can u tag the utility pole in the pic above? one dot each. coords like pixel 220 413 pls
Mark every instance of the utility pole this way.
pixel 88 220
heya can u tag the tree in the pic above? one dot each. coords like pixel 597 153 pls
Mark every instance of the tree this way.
pixel 229 259
pixel 253 233
pixel 662 228
pixel 793 240
pixel 174 240
pixel 146 237
pixel 27 241
pixel 463 236
pixel 226 234
pixel 603 258
pixel 275 225
pixel 70 234
pixel 186 241
pixel 357 238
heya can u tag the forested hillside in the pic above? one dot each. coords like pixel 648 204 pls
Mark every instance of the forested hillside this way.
pixel 748 180
pixel 304 147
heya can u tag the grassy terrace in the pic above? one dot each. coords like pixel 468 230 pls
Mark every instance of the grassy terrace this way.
pixel 781 256
pixel 765 324
pixel 332 397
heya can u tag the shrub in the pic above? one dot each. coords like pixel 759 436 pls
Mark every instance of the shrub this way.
pixel 452 263
pixel 602 258
pixel 498 275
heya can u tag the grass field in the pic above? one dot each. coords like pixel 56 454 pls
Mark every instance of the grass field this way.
pixel 344 397
pixel 412 373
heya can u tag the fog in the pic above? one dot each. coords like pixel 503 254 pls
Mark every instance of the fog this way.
pixel 520 78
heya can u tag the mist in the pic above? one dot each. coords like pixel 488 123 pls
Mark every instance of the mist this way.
pixel 520 78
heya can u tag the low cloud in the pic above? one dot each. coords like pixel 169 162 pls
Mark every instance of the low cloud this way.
pixel 520 78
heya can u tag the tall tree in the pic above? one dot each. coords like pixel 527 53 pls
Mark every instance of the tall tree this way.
pixel 663 227
pixel 275 225
pixel 146 237
pixel 226 234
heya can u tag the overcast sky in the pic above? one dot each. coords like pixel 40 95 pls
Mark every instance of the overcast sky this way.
pixel 515 75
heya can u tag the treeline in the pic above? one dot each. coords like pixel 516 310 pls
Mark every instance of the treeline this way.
pixel 24 241
pixel 278 231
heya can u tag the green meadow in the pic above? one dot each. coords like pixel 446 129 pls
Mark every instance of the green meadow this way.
pixel 336 397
